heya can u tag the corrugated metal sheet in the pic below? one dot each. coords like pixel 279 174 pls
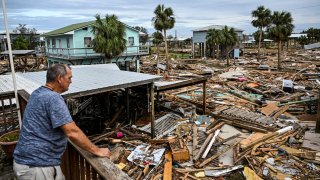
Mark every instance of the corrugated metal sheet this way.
pixel 218 27
pixel 87 79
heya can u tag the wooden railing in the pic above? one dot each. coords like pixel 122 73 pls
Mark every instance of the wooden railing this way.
pixel 76 163
pixel 71 53
pixel 8 113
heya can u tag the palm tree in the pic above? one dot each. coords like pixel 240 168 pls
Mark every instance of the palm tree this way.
pixel 229 38
pixel 263 19
pixel 213 39
pixel 280 29
pixel 157 40
pixel 163 21
pixel 303 40
pixel 256 37
pixel 109 36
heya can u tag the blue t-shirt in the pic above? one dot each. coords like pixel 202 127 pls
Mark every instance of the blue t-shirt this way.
pixel 42 141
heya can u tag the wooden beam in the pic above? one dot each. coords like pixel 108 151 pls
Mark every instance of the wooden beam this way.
pixel 167 174
pixel 204 98
pixel 195 140
pixel 152 110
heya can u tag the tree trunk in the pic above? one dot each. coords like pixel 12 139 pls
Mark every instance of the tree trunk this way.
pixel 259 44
pixel 227 56
pixel 218 52
pixel 213 52
pixel 157 54
pixel 166 48
pixel 279 55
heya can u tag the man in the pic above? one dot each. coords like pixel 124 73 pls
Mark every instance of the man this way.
pixel 46 125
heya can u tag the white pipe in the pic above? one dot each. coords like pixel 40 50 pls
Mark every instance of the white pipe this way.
pixel 211 143
pixel 284 130
pixel 11 60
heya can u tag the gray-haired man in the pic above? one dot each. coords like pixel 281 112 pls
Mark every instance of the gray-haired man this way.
pixel 47 124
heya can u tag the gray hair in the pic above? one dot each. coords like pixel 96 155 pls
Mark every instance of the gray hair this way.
pixel 55 70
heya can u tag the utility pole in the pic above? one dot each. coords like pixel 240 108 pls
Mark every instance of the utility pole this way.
pixel 11 60
pixel 318 115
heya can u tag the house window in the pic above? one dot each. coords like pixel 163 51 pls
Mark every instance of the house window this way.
pixel 53 43
pixel 68 42
pixel 87 42
pixel 48 43
pixel 131 41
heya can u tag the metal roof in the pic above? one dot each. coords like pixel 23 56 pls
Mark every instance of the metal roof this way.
pixel 73 27
pixel 86 80
pixel 20 52
pixel 218 27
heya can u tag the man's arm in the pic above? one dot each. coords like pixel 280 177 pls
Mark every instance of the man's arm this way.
pixel 74 133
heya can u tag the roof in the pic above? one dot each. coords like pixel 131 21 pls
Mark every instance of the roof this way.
pixel 19 52
pixel 87 80
pixel 218 27
pixel 68 28
pixel 297 35
pixel 73 27
pixel 252 41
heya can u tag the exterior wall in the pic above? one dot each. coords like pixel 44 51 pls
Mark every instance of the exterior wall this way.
pixel 78 41
pixel 63 41
pixel 131 33
pixel 79 36
pixel 199 37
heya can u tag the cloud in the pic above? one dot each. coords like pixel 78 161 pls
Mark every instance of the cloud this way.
pixel 52 14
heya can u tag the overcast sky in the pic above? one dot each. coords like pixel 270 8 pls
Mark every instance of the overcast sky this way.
pixel 47 15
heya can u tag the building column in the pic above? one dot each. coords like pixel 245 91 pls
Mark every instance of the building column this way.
pixel 200 50
pixel 192 49
pixel 138 65
pixel 204 50
pixel 151 108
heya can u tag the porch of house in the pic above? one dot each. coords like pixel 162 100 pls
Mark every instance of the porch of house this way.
pixel 87 56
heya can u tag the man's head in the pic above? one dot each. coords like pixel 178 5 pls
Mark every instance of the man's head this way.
pixel 59 77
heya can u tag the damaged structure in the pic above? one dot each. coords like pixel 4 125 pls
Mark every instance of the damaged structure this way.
pixel 203 121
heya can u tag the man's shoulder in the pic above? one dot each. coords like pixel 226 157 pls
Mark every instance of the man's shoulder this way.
pixel 45 93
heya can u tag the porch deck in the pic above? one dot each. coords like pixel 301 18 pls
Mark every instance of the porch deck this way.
pixel 85 53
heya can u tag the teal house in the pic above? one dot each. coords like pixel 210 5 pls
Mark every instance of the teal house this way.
pixel 72 45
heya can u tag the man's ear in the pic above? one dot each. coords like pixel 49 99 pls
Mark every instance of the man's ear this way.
pixel 59 78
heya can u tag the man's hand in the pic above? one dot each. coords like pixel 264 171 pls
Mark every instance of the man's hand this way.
pixel 102 152
pixel 74 133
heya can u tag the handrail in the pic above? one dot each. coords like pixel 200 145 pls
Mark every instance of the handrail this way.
pixel 89 52
pixel 79 164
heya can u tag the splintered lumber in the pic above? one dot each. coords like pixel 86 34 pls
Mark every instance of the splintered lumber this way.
pixel 264 138
pixel 115 117
pixel 204 145
pixel 194 140
pixel 280 111
pixel 186 175
pixel 102 137
pixel 143 172
pixel 168 166
pixel 205 162
pixel 182 170
pixel 180 151
pixel 296 152
pixel 215 128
